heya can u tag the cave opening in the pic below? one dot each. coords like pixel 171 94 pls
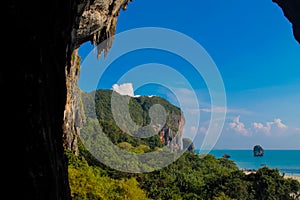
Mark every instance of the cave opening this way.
pixel 44 39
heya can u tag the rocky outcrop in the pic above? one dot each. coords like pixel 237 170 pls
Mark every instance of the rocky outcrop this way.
pixel 98 23
pixel 291 10
pixel 258 151
pixel 188 144
pixel 39 46
pixel 41 39
pixel 225 155
pixel 170 137
pixel 73 114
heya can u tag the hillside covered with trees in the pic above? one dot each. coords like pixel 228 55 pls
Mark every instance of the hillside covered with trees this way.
pixel 192 176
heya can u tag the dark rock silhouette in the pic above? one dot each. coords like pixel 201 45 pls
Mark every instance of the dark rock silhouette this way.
pixel 226 156
pixel 258 150
pixel 291 10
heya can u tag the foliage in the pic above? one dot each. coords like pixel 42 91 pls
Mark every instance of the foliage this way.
pixel 98 105
pixel 269 184
pixel 88 182
pixel 192 176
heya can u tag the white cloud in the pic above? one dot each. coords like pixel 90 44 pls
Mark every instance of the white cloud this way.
pixel 220 109
pixel 279 124
pixel 214 109
pixel 238 126
pixel 193 129
pixel 276 124
pixel 124 89
pixel 203 130
pixel 184 96
pixel 264 128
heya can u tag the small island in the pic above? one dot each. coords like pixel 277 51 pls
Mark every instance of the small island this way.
pixel 258 150
pixel 226 156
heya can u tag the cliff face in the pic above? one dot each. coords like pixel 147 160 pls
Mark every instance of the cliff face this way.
pixel 73 114
pixel 96 24
pixel 41 42
pixel 38 50
pixel 170 137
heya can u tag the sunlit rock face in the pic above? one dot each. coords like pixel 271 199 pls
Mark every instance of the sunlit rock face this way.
pixel 98 23
pixel 73 114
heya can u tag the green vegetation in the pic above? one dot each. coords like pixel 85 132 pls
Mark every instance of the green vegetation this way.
pixel 89 183
pixel 98 108
pixel 190 177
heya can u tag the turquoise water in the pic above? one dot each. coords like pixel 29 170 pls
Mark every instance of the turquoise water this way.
pixel 287 161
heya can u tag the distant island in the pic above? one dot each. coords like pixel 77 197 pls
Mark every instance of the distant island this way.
pixel 226 156
pixel 258 151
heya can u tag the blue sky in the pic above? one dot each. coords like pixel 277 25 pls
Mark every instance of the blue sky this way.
pixel 252 45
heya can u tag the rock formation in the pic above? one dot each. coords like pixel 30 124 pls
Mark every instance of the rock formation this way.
pixel 39 41
pixel 291 10
pixel 188 144
pixel 226 156
pixel 73 114
pixel 98 23
pixel 171 138
pixel 258 151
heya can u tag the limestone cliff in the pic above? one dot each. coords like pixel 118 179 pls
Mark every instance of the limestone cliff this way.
pixel 97 23
pixel 170 137
pixel 73 114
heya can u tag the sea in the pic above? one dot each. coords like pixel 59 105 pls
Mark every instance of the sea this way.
pixel 286 161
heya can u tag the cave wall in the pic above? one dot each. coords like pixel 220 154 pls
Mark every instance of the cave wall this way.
pixel 39 40
pixel 291 10
pixel 38 45
pixel 97 24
